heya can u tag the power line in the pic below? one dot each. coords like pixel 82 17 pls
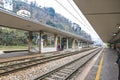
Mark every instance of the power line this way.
pixel 69 12
pixel 74 9
pixel 78 14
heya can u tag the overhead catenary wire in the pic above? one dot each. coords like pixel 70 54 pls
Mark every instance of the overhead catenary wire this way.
pixel 78 14
pixel 89 27
pixel 69 12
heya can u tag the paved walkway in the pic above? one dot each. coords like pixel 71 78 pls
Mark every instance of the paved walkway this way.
pixel 109 70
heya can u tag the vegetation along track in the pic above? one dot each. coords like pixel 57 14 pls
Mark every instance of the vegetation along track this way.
pixel 22 65
pixel 66 71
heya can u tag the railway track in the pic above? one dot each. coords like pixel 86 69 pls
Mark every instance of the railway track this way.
pixel 66 71
pixel 22 65
pixel 12 62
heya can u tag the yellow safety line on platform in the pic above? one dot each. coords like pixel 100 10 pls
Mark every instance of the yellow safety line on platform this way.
pixel 100 68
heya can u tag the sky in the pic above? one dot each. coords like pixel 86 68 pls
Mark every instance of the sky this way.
pixel 74 14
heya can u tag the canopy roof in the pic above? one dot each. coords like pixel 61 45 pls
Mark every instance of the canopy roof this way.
pixel 12 20
pixel 104 16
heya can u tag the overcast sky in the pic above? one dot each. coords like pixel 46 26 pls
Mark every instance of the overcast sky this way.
pixel 60 6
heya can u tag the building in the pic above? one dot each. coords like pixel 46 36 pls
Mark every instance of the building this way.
pixel 1 3
pixel 7 4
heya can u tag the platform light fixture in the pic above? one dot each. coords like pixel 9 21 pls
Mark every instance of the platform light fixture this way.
pixel 119 26
pixel 114 34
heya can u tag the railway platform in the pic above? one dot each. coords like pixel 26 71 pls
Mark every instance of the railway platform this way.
pixel 14 55
pixel 103 68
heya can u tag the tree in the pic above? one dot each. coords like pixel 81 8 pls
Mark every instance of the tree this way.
pixel 51 11
pixel 50 23
pixel 60 26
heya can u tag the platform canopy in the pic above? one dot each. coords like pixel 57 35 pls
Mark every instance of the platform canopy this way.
pixel 12 20
pixel 104 16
